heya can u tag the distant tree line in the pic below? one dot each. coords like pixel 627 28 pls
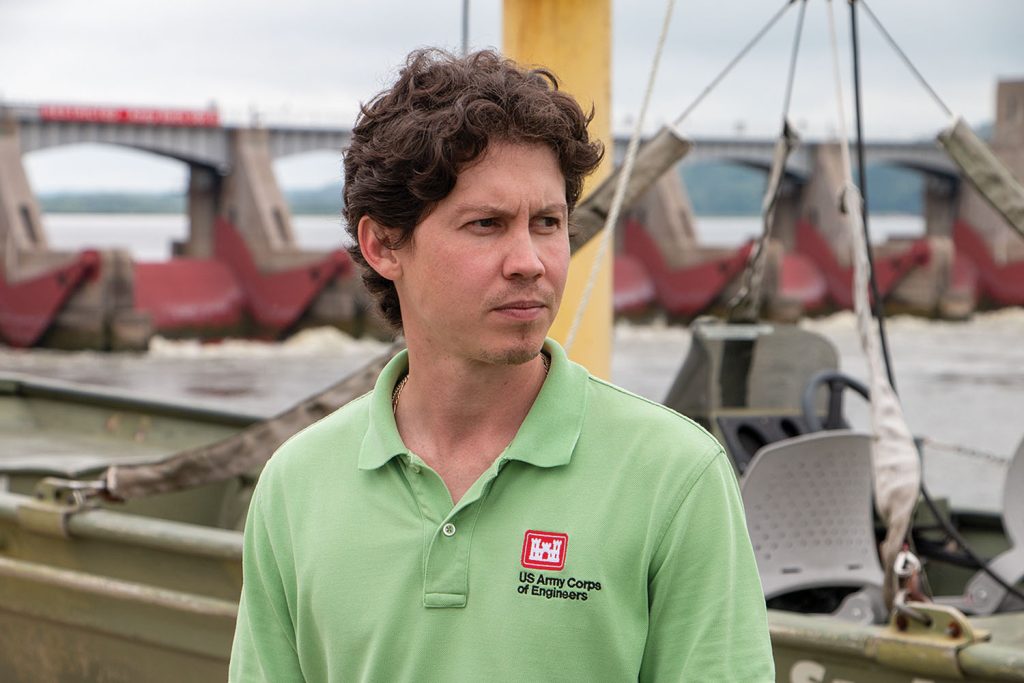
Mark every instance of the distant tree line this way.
pixel 721 189
pixel 326 200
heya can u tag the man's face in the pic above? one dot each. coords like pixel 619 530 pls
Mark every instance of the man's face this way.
pixel 482 277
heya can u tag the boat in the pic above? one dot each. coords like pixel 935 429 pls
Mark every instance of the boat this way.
pixel 143 593
pixel 120 545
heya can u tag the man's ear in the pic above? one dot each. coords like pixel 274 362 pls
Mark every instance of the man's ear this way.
pixel 374 239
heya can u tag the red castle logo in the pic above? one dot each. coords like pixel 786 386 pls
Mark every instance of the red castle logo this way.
pixel 544 550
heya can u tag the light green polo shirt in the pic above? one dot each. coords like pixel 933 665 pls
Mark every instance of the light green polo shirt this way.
pixel 606 543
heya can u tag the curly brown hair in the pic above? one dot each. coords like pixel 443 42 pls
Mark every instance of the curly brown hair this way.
pixel 411 140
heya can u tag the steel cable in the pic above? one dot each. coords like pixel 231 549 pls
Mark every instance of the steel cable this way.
pixel 742 53
pixel 906 60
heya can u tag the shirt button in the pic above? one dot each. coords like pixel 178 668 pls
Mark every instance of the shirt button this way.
pixel 415 469
pixel 448 529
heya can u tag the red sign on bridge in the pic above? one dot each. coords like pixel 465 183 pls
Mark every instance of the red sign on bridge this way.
pixel 189 118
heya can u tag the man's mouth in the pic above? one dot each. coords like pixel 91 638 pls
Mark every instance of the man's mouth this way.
pixel 522 309
pixel 524 304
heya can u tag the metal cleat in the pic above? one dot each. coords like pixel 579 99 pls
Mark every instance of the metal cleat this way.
pixel 57 499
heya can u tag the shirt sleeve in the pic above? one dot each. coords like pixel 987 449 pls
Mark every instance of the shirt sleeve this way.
pixel 264 647
pixel 708 620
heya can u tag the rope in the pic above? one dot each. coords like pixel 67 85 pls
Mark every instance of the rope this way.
pixel 749 294
pixel 718 79
pixel 844 138
pixel 621 185
pixel 906 60
pixel 791 77
pixel 745 305
pixel 972 453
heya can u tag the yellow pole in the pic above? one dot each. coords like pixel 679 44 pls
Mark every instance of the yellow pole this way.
pixel 573 39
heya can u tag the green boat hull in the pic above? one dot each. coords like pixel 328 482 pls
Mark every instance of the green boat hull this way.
pixel 148 589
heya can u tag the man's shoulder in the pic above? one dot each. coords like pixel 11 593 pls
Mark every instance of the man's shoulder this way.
pixel 617 409
pixel 655 456
pixel 332 436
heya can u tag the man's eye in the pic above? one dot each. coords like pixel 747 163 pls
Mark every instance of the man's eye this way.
pixel 484 223
pixel 548 222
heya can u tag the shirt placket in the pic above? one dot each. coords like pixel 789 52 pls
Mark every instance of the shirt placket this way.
pixel 447 533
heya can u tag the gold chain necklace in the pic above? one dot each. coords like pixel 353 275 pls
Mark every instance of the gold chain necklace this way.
pixel 397 393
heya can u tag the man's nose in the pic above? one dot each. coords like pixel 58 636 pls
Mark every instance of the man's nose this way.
pixel 522 259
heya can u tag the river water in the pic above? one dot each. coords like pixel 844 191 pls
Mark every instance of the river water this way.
pixel 961 383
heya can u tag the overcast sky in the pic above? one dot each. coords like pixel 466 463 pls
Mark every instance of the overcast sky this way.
pixel 313 61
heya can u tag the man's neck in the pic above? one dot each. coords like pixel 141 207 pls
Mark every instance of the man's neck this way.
pixel 459 415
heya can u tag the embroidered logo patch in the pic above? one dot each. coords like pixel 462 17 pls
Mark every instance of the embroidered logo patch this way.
pixel 544 550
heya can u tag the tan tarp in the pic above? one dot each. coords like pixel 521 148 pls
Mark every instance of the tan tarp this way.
pixel 984 170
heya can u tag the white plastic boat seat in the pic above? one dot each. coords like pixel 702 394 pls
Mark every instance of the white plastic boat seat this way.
pixel 809 512
pixel 983 594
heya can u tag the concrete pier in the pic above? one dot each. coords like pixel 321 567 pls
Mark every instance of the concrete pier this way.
pixel 23 243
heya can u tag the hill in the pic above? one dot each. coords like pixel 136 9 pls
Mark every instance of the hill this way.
pixel 720 189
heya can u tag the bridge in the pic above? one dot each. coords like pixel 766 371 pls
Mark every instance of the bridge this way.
pixel 925 157
pixel 202 142
pixel 195 140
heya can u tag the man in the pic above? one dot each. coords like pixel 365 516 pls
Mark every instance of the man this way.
pixel 490 510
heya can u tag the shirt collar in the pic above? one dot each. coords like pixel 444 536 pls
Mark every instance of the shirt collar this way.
pixel 546 438
pixel 382 441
